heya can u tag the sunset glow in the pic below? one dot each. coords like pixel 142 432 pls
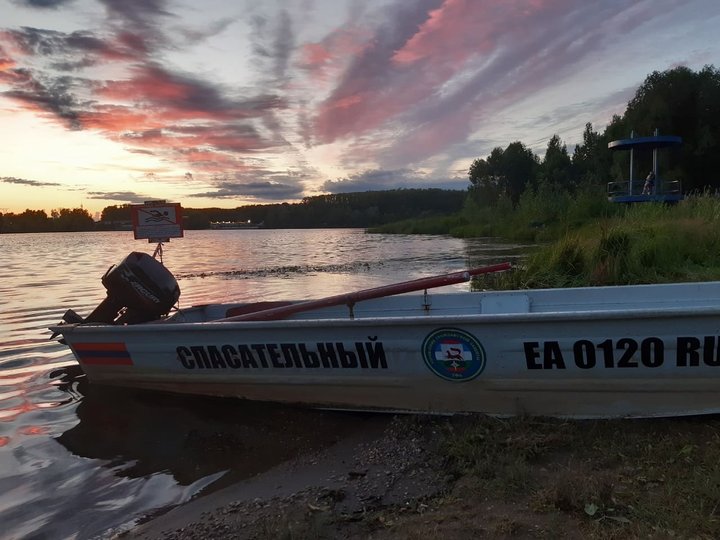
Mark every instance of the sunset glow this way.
pixel 108 102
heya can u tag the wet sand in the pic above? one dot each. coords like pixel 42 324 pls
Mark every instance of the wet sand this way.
pixel 387 462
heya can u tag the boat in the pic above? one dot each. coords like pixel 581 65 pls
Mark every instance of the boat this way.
pixel 590 352
pixel 224 225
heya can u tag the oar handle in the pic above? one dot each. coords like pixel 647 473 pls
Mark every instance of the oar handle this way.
pixel 368 294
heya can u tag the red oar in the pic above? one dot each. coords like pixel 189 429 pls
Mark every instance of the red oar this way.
pixel 367 294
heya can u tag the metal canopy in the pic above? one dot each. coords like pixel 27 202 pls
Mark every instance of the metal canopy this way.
pixel 656 141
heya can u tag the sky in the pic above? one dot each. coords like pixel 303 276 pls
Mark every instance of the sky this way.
pixel 222 104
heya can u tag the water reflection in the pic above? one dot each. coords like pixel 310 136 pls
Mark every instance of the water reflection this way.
pixel 140 433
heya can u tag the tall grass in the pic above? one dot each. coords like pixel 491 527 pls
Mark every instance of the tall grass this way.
pixel 645 243
pixel 543 213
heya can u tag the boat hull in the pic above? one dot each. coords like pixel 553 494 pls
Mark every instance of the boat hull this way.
pixel 503 360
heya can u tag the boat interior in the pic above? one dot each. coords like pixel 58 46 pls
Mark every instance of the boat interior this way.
pixel 575 300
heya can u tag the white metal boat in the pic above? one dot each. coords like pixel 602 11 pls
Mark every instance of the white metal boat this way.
pixel 599 352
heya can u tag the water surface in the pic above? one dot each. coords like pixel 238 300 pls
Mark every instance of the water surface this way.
pixel 78 461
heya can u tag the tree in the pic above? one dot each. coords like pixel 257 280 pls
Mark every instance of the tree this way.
pixel 592 159
pixel 77 219
pixel 27 221
pixel 685 103
pixel 556 167
pixel 505 172
pixel 116 213
pixel 485 177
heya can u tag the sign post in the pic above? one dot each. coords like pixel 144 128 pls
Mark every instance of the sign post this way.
pixel 158 221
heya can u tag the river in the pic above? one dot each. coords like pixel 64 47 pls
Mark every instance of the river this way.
pixel 78 461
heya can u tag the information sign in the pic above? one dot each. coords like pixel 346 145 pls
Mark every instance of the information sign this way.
pixel 157 221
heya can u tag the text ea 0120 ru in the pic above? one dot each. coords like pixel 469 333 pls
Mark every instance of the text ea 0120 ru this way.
pixel 598 352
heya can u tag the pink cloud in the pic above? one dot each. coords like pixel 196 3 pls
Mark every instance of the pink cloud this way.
pixel 314 55
pixel 6 64
pixel 327 57
pixel 147 84
pixel 454 32
pixel 433 69
pixel 152 110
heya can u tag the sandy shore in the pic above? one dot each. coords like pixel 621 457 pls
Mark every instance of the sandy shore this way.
pixel 387 463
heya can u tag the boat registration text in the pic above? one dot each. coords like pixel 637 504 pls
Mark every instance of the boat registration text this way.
pixel 651 352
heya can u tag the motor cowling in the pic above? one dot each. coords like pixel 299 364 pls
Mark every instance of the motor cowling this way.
pixel 139 289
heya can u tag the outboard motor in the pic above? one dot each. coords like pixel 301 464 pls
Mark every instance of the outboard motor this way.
pixel 139 289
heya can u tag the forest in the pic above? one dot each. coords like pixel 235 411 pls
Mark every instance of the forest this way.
pixel 678 102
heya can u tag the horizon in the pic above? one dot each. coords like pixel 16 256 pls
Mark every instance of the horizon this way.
pixel 97 214
pixel 110 102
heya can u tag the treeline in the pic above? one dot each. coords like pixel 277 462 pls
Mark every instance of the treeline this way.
pixel 364 209
pixel 675 102
pixel 61 220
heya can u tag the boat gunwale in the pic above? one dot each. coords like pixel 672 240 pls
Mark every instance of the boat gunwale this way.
pixel 452 319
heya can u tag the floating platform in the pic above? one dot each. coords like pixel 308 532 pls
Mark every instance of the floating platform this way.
pixel 631 191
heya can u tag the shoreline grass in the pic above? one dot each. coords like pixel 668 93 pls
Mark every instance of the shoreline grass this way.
pixel 588 241
pixel 649 243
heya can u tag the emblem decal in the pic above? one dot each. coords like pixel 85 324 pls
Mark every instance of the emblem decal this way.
pixel 453 354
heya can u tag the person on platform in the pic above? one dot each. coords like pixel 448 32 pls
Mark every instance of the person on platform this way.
pixel 649 187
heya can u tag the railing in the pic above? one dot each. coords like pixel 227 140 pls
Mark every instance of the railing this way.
pixel 623 188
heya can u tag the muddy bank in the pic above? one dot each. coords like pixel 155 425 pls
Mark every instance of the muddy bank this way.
pixel 390 462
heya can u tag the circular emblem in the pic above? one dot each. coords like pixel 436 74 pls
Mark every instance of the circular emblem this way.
pixel 453 354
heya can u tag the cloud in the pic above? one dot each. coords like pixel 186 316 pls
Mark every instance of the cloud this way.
pixel 325 59
pixel 141 15
pixel 283 45
pixel 25 182
pixel 40 42
pixel 174 115
pixel 118 196
pixel 193 36
pixel 264 191
pixel 272 43
pixel 435 71
pixel 53 95
pixel 363 99
pixel 42 4
pixel 154 85
pixel 377 180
